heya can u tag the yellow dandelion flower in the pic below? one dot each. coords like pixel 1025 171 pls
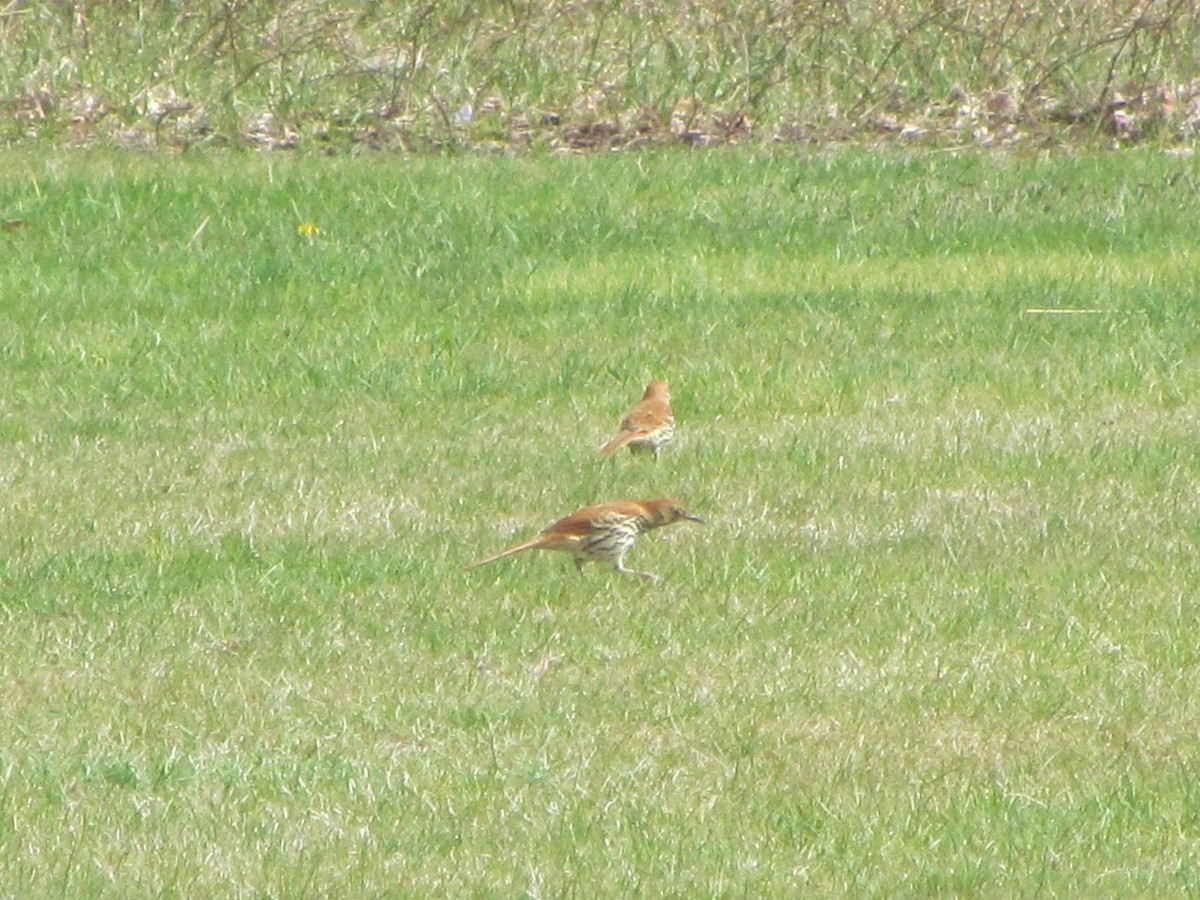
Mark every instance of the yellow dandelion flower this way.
pixel 308 229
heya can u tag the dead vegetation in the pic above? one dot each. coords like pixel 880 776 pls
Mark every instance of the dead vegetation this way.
pixel 597 74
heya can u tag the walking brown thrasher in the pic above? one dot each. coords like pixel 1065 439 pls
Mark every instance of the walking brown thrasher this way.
pixel 603 533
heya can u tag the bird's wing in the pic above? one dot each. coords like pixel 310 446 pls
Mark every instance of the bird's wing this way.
pixel 583 522
pixel 646 417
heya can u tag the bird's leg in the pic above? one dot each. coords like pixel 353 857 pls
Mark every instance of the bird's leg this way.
pixel 579 561
pixel 619 565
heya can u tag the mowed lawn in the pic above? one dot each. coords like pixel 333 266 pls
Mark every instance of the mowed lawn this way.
pixel 939 635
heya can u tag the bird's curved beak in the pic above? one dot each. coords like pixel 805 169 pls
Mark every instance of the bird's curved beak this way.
pixel 692 518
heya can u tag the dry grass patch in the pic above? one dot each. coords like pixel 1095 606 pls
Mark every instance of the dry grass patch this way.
pixel 585 76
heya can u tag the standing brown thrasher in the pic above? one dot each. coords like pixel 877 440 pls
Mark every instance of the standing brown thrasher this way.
pixel 648 426
pixel 603 533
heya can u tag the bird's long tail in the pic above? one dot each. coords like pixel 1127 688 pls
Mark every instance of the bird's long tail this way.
pixel 618 442
pixel 527 545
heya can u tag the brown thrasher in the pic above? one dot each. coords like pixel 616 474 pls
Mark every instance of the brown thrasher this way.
pixel 602 533
pixel 648 426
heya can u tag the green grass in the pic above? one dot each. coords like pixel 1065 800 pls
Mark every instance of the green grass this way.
pixel 939 637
